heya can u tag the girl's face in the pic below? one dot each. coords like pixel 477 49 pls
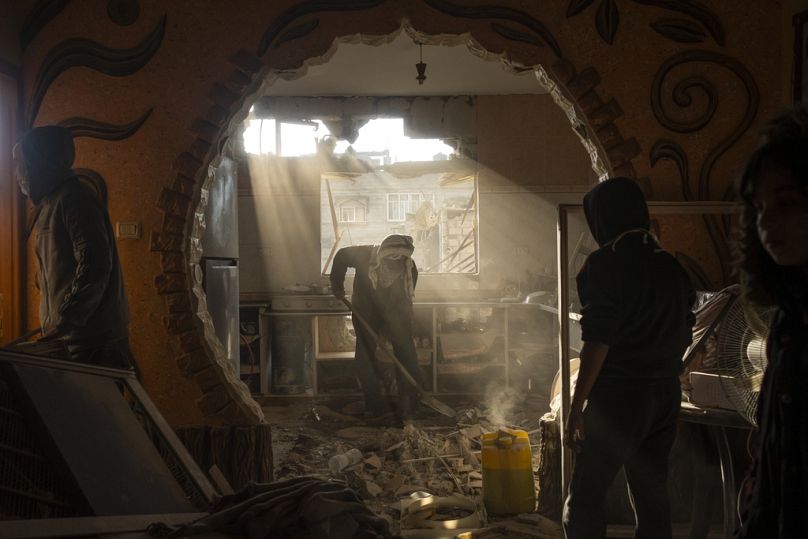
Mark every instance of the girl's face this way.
pixel 781 205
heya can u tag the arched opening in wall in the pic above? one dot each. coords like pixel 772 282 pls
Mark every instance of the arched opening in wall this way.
pixel 350 148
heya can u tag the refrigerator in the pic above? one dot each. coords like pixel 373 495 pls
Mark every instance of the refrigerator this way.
pixel 220 258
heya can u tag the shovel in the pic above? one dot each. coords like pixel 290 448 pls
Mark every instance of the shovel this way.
pixel 426 400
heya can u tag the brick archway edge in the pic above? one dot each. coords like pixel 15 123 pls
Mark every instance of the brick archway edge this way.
pixel 225 398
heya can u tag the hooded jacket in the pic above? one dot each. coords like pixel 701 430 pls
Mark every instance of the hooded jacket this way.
pixel 82 295
pixel 635 297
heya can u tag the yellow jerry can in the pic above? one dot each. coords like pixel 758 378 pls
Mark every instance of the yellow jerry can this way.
pixel 507 472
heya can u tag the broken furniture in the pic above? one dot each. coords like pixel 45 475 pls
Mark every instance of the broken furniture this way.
pixel 716 421
pixel 83 451
pixel 462 346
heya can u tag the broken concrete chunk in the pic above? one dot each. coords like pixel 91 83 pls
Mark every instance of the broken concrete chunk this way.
pixel 353 408
pixel 357 433
pixel 394 483
pixel 472 432
pixel 394 447
pixel 374 461
pixel 542 523
pixel 373 489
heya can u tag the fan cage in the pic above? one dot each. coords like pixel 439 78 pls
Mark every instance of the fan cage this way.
pixel 740 356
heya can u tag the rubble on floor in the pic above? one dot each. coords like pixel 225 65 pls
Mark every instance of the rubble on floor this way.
pixel 429 457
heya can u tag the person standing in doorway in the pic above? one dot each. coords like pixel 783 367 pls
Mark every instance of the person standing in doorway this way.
pixel 773 269
pixel 383 289
pixel 82 297
pixel 636 322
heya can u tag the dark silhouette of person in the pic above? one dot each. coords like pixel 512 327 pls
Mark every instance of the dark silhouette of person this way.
pixel 773 270
pixel 383 289
pixel 636 322
pixel 82 297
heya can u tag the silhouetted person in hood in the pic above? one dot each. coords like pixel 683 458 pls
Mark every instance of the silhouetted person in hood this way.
pixel 82 298
pixel 636 323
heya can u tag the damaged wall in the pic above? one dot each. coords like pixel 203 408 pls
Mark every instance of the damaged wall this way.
pixel 191 68
pixel 425 117
pixel 528 157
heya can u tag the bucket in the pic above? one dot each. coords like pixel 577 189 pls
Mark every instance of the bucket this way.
pixel 508 486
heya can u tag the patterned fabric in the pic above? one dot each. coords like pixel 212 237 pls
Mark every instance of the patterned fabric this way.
pixel 299 508
pixel 382 275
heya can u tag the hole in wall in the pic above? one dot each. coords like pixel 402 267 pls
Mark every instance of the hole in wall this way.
pixel 298 199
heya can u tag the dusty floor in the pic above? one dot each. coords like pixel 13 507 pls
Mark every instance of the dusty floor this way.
pixel 432 453
pixel 400 460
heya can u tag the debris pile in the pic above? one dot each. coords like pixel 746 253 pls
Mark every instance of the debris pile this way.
pixel 420 461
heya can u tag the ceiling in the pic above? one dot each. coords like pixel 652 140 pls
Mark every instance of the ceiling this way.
pixel 389 70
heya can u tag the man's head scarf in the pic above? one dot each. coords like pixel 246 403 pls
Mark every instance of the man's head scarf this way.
pixel 380 274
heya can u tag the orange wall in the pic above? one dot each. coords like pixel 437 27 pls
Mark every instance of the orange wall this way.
pixel 202 35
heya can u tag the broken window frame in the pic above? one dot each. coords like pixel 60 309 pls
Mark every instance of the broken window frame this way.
pixel 468 265
pixel 410 206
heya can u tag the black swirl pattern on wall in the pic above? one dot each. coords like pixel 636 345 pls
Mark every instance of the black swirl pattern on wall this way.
pixel 83 52
pixel 682 97
pixel 508 32
pixel 307 8
pixel 40 15
pixel 123 12
pixel 679 30
pixel 607 20
pixel 87 127
pixel 672 151
pixel 692 30
pixel 515 16
pixel 695 10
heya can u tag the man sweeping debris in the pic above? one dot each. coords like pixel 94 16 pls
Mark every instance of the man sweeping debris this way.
pixel 383 289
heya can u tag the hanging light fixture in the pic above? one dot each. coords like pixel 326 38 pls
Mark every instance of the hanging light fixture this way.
pixel 421 66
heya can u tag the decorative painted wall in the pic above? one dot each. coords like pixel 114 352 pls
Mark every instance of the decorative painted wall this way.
pixel 665 90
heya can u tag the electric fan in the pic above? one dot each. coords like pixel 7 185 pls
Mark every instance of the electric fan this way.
pixel 740 355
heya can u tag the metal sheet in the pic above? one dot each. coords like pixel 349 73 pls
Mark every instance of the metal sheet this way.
pixel 221 215
pixel 221 288
pixel 110 456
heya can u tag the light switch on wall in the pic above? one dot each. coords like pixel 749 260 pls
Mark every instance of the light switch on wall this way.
pixel 127 230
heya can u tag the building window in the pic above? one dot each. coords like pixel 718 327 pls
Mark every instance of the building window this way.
pixel 351 214
pixel 437 207
pixel 347 214
pixel 401 204
pixel 352 209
